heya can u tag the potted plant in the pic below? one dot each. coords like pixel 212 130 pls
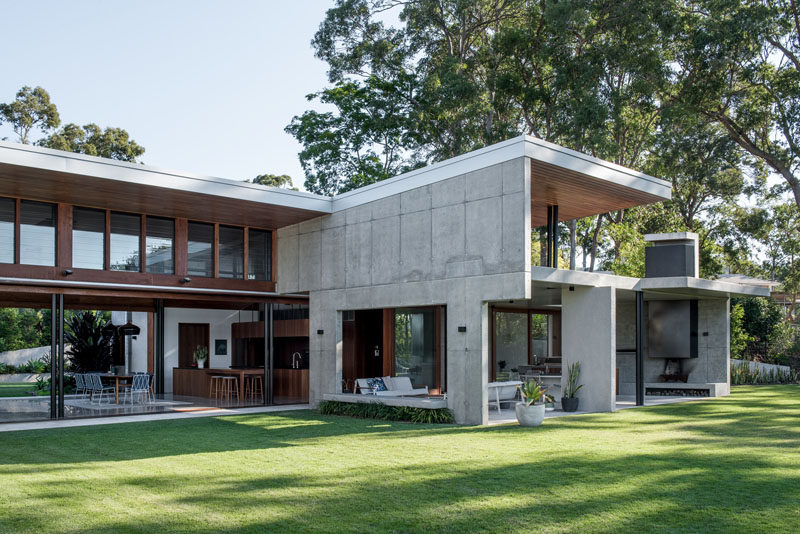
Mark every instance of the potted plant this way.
pixel 200 356
pixel 530 412
pixel 549 403
pixel 569 402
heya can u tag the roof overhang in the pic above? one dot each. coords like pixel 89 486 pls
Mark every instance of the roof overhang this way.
pixel 54 176
pixel 663 287
pixel 582 185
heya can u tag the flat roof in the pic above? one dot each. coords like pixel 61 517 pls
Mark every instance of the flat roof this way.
pixel 578 183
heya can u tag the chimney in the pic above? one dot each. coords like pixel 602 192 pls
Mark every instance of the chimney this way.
pixel 672 254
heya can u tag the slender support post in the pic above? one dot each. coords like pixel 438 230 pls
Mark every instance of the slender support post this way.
pixel 555 237
pixel 549 235
pixel 639 348
pixel 159 348
pixel 269 382
pixel 53 356
pixel 60 356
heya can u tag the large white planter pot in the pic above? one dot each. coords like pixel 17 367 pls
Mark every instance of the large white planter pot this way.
pixel 529 415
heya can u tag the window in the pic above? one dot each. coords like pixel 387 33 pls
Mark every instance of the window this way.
pixel 414 346
pixel 37 233
pixel 160 245
pixel 259 258
pixel 88 238
pixel 231 252
pixel 125 241
pixel 201 249
pixel 8 215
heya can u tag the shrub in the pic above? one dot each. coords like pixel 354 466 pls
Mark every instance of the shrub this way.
pixel 741 374
pixel 387 413
pixel 33 366
pixel 90 348
pixel 7 369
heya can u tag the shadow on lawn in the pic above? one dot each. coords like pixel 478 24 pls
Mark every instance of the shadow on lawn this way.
pixel 720 473
pixel 634 493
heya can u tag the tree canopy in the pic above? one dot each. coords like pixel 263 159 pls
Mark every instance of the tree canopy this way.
pixel 32 110
pixel 275 180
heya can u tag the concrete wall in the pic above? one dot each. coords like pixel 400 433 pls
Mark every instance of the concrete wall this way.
pixel 712 363
pixel 21 356
pixel 459 243
pixel 219 328
pixel 588 318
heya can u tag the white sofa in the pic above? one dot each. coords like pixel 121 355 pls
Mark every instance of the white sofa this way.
pixel 396 386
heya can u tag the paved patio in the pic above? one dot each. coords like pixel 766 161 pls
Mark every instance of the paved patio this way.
pixel 507 415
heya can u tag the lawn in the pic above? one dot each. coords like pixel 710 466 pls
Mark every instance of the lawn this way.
pixel 721 465
pixel 16 389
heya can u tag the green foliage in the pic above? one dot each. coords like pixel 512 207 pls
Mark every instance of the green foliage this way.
pixel 739 336
pixel 33 366
pixel 200 353
pixel 388 413
pixel 23 328
pixel 532 392
pixel 573 373
pixel 274 180
pixel 111 143
pixel 762 321
pixel 31 109
pixel 90 349
pixel 741 374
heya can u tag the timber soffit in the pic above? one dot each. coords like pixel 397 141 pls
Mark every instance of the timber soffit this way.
pixel 79 164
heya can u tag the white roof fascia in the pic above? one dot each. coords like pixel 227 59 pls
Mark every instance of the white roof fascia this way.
pixel 559 156
pixel 701 284
pixel 567 277
pixel 471 161
pixel 120 171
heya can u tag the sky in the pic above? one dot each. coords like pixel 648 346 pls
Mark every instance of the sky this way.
pixel 204 86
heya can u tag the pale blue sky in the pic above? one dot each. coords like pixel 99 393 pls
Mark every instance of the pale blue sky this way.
pixel 204 86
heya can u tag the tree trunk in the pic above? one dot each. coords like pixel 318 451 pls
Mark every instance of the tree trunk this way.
pixel 573 228
pixel 594 241
pixel 542 246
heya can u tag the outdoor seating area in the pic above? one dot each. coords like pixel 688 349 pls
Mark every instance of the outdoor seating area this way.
pixel 388 386
pixel 99 388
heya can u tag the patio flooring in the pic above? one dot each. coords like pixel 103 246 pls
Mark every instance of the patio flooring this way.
pixel 507 415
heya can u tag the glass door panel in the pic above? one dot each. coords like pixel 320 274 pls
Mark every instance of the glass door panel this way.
pixel 415 346
pixel 511 344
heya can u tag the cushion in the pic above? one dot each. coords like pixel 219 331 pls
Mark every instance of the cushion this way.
pixel 402 383
pixel 389 382
pixel 378 384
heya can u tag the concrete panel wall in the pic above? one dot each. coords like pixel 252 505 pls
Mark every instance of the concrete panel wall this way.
pixel 588 318
pixel 460 243
pixel 712 365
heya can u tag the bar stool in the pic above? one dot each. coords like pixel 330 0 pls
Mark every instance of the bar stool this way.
pixel 254 386
pixel 231 386
pixel 215 386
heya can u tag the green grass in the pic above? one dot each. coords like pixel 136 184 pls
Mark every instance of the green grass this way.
pixel 721 465
pixel 16 389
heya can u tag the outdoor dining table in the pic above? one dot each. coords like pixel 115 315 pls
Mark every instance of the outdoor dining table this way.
pixel 116 379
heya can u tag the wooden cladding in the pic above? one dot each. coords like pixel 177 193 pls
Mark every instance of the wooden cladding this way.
pixel 253 329
pixel 290 328
pixel 64 267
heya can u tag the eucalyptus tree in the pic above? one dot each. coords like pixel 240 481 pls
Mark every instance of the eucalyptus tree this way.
pixel 111 143
pixel 31 109
pixel 739 65
pixel 275 180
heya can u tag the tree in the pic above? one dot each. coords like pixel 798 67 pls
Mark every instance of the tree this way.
pixel 274 180
pixel 90 345
pixel 30 110
pixel 739 65
pixel 111 143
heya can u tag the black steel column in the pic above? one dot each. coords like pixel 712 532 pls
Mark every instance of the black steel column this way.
pixel 549 235
pixel 269 382
pixel 53 356
pixel 60 356
pixel 158 323
pixel 554 239
pixel 639 348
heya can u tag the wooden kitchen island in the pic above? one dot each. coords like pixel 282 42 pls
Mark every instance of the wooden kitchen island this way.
pixel 194 382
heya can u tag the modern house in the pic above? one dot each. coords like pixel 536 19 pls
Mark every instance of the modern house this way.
pixel 427 275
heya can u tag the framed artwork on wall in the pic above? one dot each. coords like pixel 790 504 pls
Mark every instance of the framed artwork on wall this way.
pixel 220 347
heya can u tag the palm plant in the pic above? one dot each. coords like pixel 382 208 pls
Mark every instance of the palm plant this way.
pixel 90 349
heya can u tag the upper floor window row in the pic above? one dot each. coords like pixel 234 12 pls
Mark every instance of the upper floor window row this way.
pixel 128 242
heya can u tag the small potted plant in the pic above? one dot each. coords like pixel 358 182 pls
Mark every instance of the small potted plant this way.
pixel 569 402
pixel 530 412
pixel 200 356
pixel 549 403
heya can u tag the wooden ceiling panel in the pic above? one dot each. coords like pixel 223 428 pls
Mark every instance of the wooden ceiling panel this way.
pixel 53 186
pixel 578 195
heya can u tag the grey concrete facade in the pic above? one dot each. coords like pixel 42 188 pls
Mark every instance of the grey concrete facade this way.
pixel 589 336
pixel 461 242
pixel 712 365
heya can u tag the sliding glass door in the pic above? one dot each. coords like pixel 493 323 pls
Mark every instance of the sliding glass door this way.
pixel 417 346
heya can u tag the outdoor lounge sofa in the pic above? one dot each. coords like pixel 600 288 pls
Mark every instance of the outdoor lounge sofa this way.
pixel 396 386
